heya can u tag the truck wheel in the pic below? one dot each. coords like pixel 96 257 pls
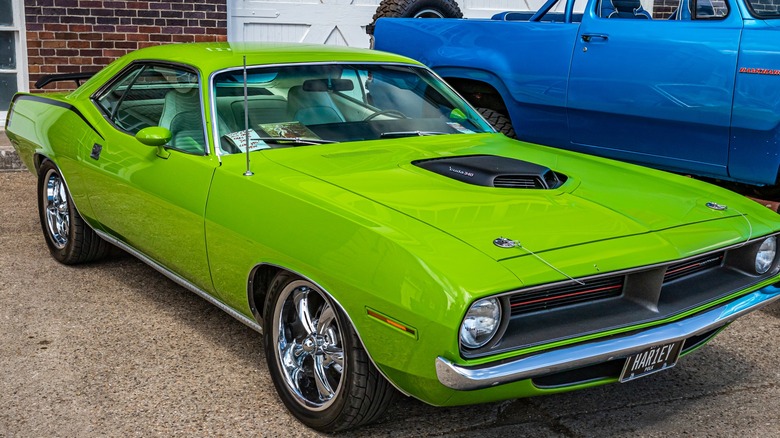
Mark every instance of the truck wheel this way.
pixel 415 9
pixel 499 121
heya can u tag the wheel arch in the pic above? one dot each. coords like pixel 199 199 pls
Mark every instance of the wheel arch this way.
pixel 258 284
pixel 480 88
pixel 38 159
pixel 478 93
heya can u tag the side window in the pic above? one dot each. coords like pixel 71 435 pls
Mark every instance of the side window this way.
pixel 358 79
pixel 680 10
pixel 764 8
pixel 152 95
pixel 711 9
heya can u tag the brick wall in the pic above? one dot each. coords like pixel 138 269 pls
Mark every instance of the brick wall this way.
pixel 72 36
pixel 662 9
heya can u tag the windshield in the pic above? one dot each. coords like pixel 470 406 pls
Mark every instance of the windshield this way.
pixel 765 8
pixel 312 104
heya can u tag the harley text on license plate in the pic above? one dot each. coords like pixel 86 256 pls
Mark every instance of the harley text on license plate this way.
pixel 649 361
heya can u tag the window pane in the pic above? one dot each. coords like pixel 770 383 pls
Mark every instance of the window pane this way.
pixel 111 97
pixel 6 13
pixel 7 89
pixel 7 50
pixel 159 96
pixel 711 9
pixel 765 8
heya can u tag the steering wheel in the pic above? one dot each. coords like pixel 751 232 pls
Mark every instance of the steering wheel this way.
pixel 395 113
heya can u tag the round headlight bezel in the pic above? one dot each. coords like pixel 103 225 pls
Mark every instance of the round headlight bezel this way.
pixel 485 312
pixel 765 255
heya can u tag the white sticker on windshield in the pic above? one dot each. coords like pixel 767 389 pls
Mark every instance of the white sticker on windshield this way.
pixel 238 139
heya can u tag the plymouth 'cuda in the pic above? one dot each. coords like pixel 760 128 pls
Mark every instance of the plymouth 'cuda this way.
pixel 352 208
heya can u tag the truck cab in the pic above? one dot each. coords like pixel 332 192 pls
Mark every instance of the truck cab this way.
pixel 690 86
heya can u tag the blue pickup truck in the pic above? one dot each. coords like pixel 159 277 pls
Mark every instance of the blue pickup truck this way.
pixel 690 86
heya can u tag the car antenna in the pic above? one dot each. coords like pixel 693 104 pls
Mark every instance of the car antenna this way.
pixel 246 122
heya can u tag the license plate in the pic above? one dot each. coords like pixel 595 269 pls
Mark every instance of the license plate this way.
pixel 649 361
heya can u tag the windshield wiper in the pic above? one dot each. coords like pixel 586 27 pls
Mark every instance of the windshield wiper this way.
pixel 296 140
pixel 399 134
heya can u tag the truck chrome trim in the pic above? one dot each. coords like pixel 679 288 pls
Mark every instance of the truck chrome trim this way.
pixel 467 378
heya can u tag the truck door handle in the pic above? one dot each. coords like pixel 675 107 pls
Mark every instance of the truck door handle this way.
pixel 588 37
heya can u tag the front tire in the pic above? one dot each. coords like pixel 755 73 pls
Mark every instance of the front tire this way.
pixel 499 121
pixel 70 240
pixel 317 363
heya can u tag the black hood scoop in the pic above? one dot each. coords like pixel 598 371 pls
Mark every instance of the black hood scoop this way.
pixel 494 171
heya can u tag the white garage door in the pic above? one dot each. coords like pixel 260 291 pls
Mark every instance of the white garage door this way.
pixel 337 22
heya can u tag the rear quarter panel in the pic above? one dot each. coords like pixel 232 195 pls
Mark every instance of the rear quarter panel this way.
pixel 51 127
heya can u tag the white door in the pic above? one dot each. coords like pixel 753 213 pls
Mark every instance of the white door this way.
pixel 337 22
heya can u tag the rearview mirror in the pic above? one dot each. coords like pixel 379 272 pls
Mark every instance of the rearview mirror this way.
pixel 328 85
pixel 154 136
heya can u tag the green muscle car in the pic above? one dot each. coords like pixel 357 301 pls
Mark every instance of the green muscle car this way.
pixel 352 208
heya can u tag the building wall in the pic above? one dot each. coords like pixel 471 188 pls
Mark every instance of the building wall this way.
pixel 72 36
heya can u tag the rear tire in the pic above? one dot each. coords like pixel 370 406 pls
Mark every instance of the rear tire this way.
pixel 317 362
pixel 70 240
pixel 415 9
pixel 499 121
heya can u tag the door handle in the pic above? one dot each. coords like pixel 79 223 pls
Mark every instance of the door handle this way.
pixel 588 37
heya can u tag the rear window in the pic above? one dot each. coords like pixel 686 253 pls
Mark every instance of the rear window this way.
pixel 765 8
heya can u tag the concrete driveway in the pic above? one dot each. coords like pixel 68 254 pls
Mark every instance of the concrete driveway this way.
pixel 115 349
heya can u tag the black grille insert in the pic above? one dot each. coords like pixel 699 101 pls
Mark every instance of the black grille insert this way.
pixel 517 182
pixel 561 296
pixel 690 267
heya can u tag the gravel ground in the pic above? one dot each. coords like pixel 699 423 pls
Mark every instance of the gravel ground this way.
pixel 115 349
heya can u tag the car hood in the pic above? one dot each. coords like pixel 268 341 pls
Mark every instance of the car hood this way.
pixel 600 199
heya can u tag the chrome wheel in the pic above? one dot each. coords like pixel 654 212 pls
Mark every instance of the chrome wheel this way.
pixel 308 345
pixel 57 213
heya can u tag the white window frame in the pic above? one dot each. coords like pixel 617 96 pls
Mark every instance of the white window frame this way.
pixel 20 40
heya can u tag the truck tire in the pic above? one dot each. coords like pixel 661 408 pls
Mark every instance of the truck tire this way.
pixel 415 9
pixel 498 121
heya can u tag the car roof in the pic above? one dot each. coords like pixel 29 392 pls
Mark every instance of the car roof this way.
pixel 216 56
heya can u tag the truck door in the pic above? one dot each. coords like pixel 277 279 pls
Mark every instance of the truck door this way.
pixel 653 85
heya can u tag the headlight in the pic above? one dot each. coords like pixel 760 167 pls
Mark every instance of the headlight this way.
pixel 480 323
pixel 766 255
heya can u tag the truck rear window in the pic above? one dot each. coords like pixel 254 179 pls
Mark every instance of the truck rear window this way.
pixel 765 8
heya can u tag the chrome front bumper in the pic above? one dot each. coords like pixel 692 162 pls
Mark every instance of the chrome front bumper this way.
pixel 467 378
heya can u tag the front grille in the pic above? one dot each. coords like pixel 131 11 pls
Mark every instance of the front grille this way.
pixel 545 313
pixel 517 182
pixel 561 296
pixel 690 267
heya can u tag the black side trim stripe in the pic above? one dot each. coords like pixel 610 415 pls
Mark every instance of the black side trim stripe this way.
pixel 58 103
